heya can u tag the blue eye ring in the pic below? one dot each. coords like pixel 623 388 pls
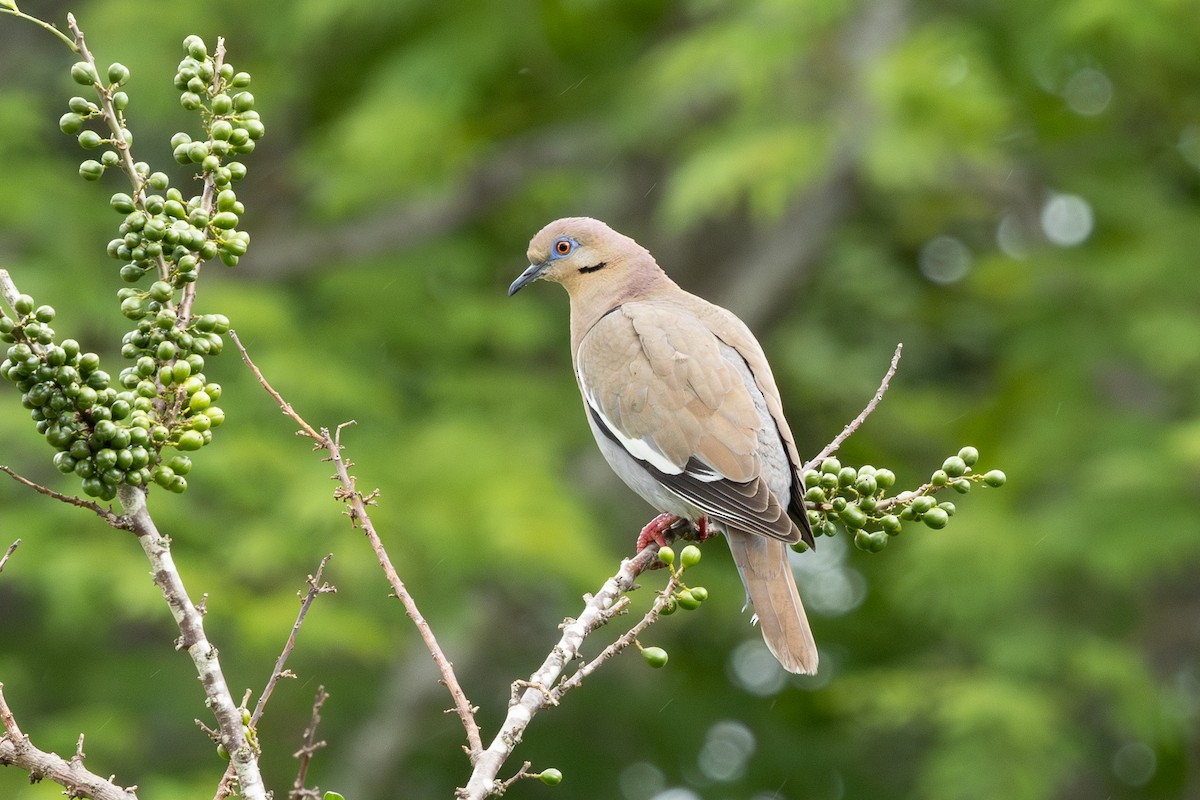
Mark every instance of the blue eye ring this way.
pixel 563 246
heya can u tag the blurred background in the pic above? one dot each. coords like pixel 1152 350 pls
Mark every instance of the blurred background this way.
pixel 1009 188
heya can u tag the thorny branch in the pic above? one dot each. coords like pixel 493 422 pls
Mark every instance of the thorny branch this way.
pixel 307 749
pixel 316 587
pixel 348 492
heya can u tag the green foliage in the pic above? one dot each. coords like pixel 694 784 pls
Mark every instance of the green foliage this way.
pixel 1042 645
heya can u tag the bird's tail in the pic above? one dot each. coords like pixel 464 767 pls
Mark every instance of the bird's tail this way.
pixel 764 566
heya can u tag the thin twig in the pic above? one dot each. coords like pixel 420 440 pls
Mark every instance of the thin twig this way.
pixel 315 587
pixel 115 520
pixel 309 747
pixel 348 493
pixel 862 417
pixel 535 697
pixel 40 23
pixel 8 553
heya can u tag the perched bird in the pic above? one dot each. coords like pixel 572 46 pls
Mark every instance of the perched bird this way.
pixel 684 408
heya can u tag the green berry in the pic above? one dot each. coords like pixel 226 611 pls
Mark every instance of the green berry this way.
pixel 969 455
pixel 954 466
pixel 690 556
pixel 687 601
pixel 936 518
pixel 91 170
pixel 222 104
pixel 120 101
pixel 552 777
pixel 699 592
pixel 665 554
pixel 81 105
pixel 948 507
pixel 885 478
pixel 862 540
pixel 656 657
pixel 994 478
pixel 122 203
pixel 960 485
pixel 847 476
pixel 922 504
pixel 83 73
pixel 90 140
pixel 866 485
pixel 109 158
pixel 70 123
pixel 194 46
pixel 23 305
pixel 853 517
pixel 891 524
pixel 190 440
pixel 939 477
pixel 831 466
pixel 117 73
pixel 243 102
pixel 225 220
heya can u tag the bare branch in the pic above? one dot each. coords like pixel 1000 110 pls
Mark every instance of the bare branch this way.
pixel 857 422
pixel 315 587
pixel 306 751
pixel 535 696
pixel 8 553
pixel 243 755
pixel 16 750
pixel 115 520
pixel 348 493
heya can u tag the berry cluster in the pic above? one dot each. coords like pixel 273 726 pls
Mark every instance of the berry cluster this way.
pixel 678 595
pixel 110 432
pixel 858 498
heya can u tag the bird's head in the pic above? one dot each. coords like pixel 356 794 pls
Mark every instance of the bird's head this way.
pixel 577 251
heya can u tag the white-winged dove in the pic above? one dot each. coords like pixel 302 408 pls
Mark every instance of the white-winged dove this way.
pixel 683 405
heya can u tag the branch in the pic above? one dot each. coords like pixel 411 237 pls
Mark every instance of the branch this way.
pixel 309 747
pixel 857 422
pixel 537 693
pixel 11 8
pixel 243 756
pixel 16 750
pixel 348 493
pixel 315 587
pixel 115 520
pixel 8 553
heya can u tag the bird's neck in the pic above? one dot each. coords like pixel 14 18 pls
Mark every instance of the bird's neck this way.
pixel 592 299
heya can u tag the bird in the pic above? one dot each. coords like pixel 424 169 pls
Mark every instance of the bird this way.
pixel 684 408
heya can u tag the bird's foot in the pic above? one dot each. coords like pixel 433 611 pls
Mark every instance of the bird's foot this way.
pixel 657 531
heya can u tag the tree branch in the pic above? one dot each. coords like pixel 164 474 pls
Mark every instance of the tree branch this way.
pixel 308 748
pixel 115 520
pixel 16 750
pixel 348 493
pixel 538 693
pixel 8 553
pixel 188 617
pixel 862 416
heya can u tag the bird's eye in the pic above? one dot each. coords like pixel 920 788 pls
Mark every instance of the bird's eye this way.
pixel 563 246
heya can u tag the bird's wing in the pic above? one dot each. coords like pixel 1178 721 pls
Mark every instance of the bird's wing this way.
pixel 733 332
pixel 655 381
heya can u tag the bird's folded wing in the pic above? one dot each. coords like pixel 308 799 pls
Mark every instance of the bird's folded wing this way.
pixel 655 381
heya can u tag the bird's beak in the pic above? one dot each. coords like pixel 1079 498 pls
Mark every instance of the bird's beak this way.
pixel 527 277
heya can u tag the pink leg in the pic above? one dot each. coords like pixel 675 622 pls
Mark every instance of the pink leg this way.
pixel 702 531
pixel 655 531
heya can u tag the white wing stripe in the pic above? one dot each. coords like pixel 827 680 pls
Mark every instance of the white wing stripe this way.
pixel 638 448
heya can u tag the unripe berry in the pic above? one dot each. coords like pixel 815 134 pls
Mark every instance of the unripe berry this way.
pixel 552 777
pixel 666 555
pixel 83 73
pixel 690 556
pixel 656 657
pixel 994 478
